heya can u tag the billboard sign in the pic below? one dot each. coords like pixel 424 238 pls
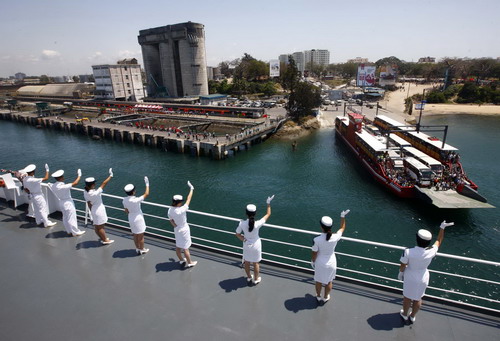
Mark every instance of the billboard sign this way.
pixel 274 68
pixel 366 75
pixel 388 75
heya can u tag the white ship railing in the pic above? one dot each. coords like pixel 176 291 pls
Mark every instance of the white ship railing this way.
pixel 297 255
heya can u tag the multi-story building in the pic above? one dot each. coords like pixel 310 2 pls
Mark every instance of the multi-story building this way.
pixel 174 59
pixel 304 59
pixel 298 57
pixel 318 57
pixel 358 60
pixel 283 58
pixel 121 81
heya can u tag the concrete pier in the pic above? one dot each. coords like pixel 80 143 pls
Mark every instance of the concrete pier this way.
pixel 216 148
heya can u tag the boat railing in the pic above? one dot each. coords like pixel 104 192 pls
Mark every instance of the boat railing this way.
pixel 362 261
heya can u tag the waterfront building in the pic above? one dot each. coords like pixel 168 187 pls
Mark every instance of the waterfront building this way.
pixel 427 60
pixel 174 60
pixel 358 60
pixel 121 81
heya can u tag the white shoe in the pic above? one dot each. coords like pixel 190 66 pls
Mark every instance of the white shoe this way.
pixel 109 241
pixel 51 223
pixel 257 280
pixel 326 299
pixel 79 233
pixel 319 299
pixel 143 251
pixel 412 319
pixel 193 263
pixel 402 315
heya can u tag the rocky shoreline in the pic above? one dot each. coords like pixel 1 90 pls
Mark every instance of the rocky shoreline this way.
pixel 292 130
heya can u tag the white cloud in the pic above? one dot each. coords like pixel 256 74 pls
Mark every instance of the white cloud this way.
pixel 96 56
pixel 129 54
pixel 50 54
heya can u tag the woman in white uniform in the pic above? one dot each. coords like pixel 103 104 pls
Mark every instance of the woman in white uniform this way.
pixel 413 270
pixel 93 197
pixel 323 259
pixel 248 233
pixel 178 218
pixel 63 192
pixel 132 205
pixel 33 186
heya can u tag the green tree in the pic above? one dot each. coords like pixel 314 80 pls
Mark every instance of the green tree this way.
pixel 225 87
pixel 302 100
pixel 44 79
pixel 269 89
pixel 290 76
pixel 469 93
pixel 213 87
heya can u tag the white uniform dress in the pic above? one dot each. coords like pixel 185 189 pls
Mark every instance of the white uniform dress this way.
pixel 325 266
pixel 135 216
pixel 252 248
pixel 41 211
pixel 99 216
pixel 416 275
pixel 66 205
pixel 182 231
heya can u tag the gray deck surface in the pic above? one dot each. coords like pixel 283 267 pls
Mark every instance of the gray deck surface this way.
pixel 55 287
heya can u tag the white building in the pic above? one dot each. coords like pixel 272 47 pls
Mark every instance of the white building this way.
pixel 122 82
pixel 304 59
pixel 318 57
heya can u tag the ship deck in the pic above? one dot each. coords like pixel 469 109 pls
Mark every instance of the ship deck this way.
pixel 56 287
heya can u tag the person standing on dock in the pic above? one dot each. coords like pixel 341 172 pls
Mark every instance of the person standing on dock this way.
pixel 178 218
pixel 413 270
pixel 93 197
pixel 248 233
pixel 323 259
pixel 66 204
pixel 132 205
pixel 34 188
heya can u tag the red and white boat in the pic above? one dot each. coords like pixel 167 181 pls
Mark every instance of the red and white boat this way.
pixel 410 164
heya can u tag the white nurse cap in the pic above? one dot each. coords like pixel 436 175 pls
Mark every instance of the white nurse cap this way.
pixel 326 221
pixel 177 197
pixel 30 168
pixel 251 208
pixel 89 180
pixel 129 188
pixel 58 173
pixel 424 234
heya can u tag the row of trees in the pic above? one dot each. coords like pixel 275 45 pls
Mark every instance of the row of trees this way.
pixel 463 68
pixel 469 92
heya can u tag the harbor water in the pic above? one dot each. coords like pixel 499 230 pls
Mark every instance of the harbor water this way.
pixel 320 178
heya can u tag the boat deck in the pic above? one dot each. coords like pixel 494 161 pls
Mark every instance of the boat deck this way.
pixel 56 287
pixel 451 199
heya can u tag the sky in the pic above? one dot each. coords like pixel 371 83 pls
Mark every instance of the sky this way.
pixel 67 37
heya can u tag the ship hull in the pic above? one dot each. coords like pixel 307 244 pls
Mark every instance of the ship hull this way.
pixel 402 192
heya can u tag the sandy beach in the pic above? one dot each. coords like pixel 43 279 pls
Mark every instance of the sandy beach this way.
pixel 394 103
